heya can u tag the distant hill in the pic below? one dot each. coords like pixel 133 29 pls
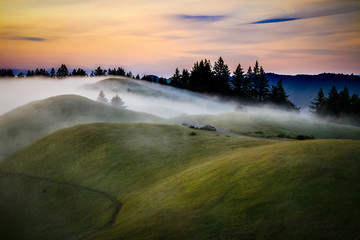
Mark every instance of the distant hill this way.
pixel 173 184
pixel 28 123
pixel 303 88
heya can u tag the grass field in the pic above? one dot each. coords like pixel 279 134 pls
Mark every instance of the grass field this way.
pixel 180 183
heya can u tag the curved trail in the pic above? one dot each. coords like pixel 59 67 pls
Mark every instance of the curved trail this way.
pixel 118 205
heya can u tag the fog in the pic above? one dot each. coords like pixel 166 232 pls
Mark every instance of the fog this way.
pixel 162 101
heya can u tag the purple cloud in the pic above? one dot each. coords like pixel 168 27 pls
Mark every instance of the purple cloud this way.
pixel 202 18
pixel 33 39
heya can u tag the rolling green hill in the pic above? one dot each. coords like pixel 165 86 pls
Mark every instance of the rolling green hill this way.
pixel 173 183
pixel 28 123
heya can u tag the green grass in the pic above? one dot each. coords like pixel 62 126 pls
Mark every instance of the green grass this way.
pixel 175 185
pixel 35 120
pixel 281 124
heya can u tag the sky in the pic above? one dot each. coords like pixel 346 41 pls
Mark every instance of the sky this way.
pixel 155 37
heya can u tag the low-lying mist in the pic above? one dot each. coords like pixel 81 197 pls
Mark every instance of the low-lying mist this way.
pixel 160 100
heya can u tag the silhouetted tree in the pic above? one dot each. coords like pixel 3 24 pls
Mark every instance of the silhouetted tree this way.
pixel 101 98
pixel 117 102
pixel 99 72
pixel 52 72
pixel 333 102
pixel 20 75
pixel 318 106
pixel 263 86
pixel 175 79
pixel 129 74
pixel 279 96
pixel 237 82
pixel 120 72
pixel 137 77
pixel 201 77
pixel 185 78
pixel 62 71
pixel 344 101
pixel 221 78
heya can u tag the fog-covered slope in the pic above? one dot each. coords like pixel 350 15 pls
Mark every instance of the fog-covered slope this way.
pixel 28 123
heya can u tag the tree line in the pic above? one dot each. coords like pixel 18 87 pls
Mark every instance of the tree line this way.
pixel 251 87
pixel 63 71
pixel 336 104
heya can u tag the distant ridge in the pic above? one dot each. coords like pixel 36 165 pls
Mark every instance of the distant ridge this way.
pixel 303 88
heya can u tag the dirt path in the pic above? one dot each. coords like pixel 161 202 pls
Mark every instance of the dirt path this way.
pixel 117 204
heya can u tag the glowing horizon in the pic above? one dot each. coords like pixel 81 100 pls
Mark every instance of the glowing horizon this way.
pixel 290 37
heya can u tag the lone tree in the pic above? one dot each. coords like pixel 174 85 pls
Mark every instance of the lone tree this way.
pixel 117 102
pixel 101 98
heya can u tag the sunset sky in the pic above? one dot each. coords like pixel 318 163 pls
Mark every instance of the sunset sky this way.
pixel 155 37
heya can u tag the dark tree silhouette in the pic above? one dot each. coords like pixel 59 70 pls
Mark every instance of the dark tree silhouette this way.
pixel 345 101
pixel 263 86
pixel 237 82
pixel 62 71
pixel 333 102
pixel 318 106
pixel 221 78
pixel 99 72
pixel 201 76
pixel 175 79
pixel 185 79
pixel 279 96
pixel 52 72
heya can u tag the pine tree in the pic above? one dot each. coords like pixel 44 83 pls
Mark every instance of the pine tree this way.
pixel 248 84
pixel 279 96
pixel 62 71
pixel 237 82
pixel 175 79
pixel 201 77
pixel 101 98
pixel 221 77
pixel 344 101
pixel 263 86
pixel 256 82
pixel 318 106
pixel 52 72
pixel 185 78
pixel 117 102
pixel 333 102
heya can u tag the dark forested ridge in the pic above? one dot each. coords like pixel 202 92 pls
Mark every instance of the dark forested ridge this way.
pixel 303 88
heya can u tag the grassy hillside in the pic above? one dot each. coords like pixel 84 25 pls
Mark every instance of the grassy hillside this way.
pixel 270 124
pixel 37 119
pixel 177 185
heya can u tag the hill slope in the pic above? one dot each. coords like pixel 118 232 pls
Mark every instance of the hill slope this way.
pixel 178 185
pixel 28 123
pixel 272 123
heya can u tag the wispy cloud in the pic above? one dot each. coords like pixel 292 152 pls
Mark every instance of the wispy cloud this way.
pixel 316 11
pixel 202 18
pixel 32 39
